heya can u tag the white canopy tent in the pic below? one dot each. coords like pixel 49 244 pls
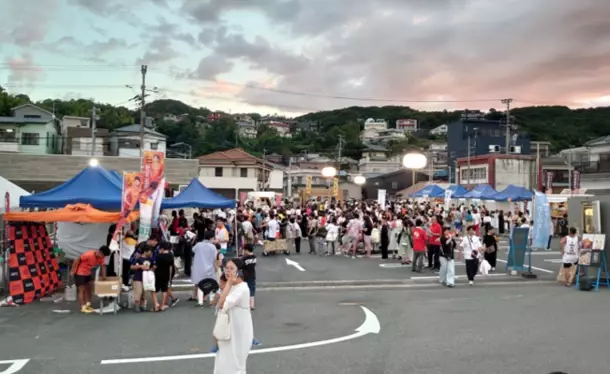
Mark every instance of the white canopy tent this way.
pixel 15 192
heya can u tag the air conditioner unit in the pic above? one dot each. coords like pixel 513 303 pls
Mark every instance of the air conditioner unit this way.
pixel 515 149
pixel 494 148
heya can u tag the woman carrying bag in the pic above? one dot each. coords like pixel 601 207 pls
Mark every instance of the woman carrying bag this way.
pixel 233 328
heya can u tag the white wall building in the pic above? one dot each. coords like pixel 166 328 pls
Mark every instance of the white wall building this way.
pixel 439 131
pixel 371 129
pixel 125 141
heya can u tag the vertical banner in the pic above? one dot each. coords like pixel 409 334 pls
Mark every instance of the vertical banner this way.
pixel 336 187
pixel 308 185
pixel 33 271
pixel 278 199
pixel 153 170
pixel 242 197
pixel 7 208
pixel 448 194
pixel 542 221
pixel 132 189
pixel 549 182
pixel 381 198
pixel 575 180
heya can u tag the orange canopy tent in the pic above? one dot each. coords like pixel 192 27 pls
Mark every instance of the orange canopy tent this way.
pixel 82 213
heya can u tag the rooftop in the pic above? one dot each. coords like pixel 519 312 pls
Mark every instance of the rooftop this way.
pixel 135 128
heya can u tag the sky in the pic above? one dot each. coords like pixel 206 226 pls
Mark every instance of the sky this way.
pixel 296 56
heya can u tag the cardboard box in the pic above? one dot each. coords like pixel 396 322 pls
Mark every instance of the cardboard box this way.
pixel 110 286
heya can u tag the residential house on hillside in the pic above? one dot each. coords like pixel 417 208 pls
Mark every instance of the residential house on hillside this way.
pixel 376 160
pixel 215 116
pixel 282 128
pixel 175 118
pixel 440 130
pixel 371 129
pixel 125 141
pixel 247 129
pixel 31 130
pixel 592 161
pixel 307 126
pixel 407 125
pixel 76 137
pixel 235 170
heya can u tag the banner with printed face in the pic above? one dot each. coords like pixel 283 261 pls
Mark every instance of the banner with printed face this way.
pixel 153 171
pixel 131 194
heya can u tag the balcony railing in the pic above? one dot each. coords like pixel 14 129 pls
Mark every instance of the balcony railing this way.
pixel 593 167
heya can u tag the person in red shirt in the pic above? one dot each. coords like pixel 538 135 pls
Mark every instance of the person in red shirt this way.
pixel 420 238
pixel 81 270
pixel 434 246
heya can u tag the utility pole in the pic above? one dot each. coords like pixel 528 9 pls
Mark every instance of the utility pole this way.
pixel 570 172
pixel 264 169
pixel 507 102
pixel 468 157
pixel 536 183
pixel 340 150
pixel 289 190
pixel 143 69
pixel 430 168
pixel 93 129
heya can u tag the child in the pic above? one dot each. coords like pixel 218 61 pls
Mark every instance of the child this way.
pixel 163 275
pixel 141 263
pixel 223 283
pixel 249 259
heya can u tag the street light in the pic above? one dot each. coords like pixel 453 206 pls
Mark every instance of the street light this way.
pixel 414 161
pixel 94 162
pixel 329 173
pixel 359 180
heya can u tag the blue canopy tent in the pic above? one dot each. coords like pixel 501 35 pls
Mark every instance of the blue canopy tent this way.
pixel 117 175
pixel 94 185
pixel 431 190
pixel 481 191
pixel 457 191
pixel 514 193
pixel 196 195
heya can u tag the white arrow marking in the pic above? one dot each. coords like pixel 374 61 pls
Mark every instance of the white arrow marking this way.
pixel 289 262
pixel 16 365
pixel 369 326
pixel 555 261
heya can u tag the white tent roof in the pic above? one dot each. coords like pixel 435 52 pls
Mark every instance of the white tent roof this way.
pixel 14 191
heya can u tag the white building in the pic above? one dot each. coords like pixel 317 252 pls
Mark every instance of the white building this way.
pixel 592 161
pixel 439 131
pixel 283 129
pixel 125 141
pixel 388 135
pixel 371 129
pixel 407 125
pixel 233 171
pixel 376 161
pixel 246 129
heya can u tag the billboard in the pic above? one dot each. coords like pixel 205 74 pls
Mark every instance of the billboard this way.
pixel 406 124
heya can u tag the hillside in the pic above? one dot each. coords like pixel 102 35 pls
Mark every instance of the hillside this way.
pixel 562 126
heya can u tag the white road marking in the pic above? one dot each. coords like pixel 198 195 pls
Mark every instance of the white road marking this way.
pixel 461 276
pixel 16 365
pixel 370 325
pixel 555 261
pixel 397 265
pixel 289 262
pixel 533 268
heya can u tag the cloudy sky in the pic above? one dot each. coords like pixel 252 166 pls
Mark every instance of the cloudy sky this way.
pixel 295 56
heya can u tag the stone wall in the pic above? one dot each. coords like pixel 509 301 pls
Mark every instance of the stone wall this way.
pixel 18 167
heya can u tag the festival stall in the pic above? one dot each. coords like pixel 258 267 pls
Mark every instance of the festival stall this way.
pixel 94 186
pixel 513 193
pixel 196 195
pixel 457 191
pixel 33 267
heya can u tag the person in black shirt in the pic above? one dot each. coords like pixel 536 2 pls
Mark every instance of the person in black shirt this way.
pixel 447 271
pixel 249 260
pixel 164 272
pixel 491 247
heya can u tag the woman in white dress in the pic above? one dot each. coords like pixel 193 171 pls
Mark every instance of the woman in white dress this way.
pixel 235 300
pixel 395 230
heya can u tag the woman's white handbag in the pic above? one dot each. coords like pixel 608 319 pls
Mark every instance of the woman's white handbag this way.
pixel 222 327
pixel 375 236
pixel 148 280
pixel 485 267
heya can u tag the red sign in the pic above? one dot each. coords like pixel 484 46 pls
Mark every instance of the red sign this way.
pixel 575 180
pixel 549 182
pixel 406 124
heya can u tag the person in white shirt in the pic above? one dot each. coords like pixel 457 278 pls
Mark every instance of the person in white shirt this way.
pixel 471 249
pixel 273 227
pixel 248 230
pixel 332 235
pixel 570 252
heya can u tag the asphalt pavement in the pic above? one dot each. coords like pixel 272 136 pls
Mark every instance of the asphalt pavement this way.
pixel 302 270
pixel 485 329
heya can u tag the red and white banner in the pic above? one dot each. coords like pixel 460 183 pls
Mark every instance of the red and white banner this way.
pixel 549 182
pixel 575 180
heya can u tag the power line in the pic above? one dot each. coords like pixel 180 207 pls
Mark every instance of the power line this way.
pixel 189 76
